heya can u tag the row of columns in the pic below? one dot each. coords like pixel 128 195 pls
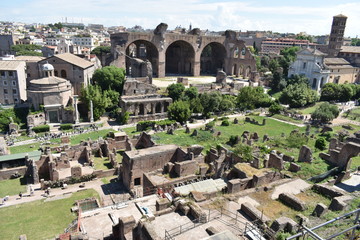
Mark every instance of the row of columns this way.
pixel 137 108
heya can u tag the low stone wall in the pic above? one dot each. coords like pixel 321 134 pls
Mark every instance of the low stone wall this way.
pixel 236 185
pixel 105 173
pixel 6 173
pixel 254 213
pixel 327 191
pixel 198 213
pixel 292 201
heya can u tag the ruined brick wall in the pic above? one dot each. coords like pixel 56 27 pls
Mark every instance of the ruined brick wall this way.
pixel 185 168
pixel 6 173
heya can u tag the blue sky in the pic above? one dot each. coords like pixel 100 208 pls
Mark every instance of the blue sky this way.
pixel 313 17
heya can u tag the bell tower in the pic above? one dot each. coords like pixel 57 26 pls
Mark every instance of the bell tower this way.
pixel 336 35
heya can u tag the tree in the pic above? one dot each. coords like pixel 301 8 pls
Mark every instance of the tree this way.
pixel 100 50
pixel 273 65
pixel 26 50
pixel 288 56
pixel 227 103
pixel 113 98
pixel 275 108
pixel 252 97
pixel 277 83
pixel 298 79
pixel 210 102
pixel 330 92
pixel 298 95
pixel 195 105
pixel 244 151
pixel 179 111
pixel 325 112
pixel 320 143
pixel 110 77
pixel 191 93
pixel 175 91
pixel 346 92
pixel 100 102
pixel 339 92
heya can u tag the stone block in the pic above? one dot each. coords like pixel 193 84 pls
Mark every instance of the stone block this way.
pixel 76 171
pixel 283 224
pixel 185 168
pixel 327 191
pixel 276 162
pixel 339 203
pixel 162 204
pixel 294 167
pixel 320 210
pixel 254 213
pixel 126 224
pixel 196 149
pixel 292 201
pixel 305 154
pixel 211 231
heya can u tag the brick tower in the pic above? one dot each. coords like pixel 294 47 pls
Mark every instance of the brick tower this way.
pixel 336 35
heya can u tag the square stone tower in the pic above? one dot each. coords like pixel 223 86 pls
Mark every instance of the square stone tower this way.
pixel 336 35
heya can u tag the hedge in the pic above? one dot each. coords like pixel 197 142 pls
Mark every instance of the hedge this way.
pixel 66 126
pixel 41 128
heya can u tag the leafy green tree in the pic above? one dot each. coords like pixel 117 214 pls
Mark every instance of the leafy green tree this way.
pixel 278 82
pixel 210 102
pixel 355 42
pixel 298 95
pixel 227 103
pixel 175 91
pixel 195 105
pixel 244 151
pixel 100 102
pixel 288 56
pixel 26 50
pixel 320 143
pixel 274 65
pixel 179 111
pixel 346 92
pixel 298 79
pixel 275 108
pixel 110 77
pixel 191 93
pixel 325 112
pixel 252 97
pixel 100 50
pixel 330 92
pixel 113 98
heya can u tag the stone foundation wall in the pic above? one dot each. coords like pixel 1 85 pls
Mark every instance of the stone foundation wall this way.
pixel 6 173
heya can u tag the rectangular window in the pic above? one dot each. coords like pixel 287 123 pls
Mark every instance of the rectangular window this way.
pixel 5 83
pixel 5 91
pixel 304 65
pixel 2 73
pixel 14 83
pixel 14 91
pixel 11 73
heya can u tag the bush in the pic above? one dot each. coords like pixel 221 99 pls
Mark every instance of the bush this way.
pixel 320 143
pixel 275 108
pixel 123 118
pixel 144 125
pixel 179 111
pixel 325 112
pixel 225 123
pixel 66 126
pixel 41 128
pixel 166 122
pixel 232 140
pixel 296 139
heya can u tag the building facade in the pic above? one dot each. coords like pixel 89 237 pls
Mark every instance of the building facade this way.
pixel 275 45
pixel 310 63
pixel 341 71
pixel 12 82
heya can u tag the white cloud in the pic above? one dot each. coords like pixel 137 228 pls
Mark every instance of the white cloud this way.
pixel 244 15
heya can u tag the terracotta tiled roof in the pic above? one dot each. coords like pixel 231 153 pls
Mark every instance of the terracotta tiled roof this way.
pixel 336 61
pixel 9 64
pixel 351 49
pixel 75 60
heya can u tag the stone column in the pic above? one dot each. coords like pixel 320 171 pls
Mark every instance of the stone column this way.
pixel 91 112
pixel 196 72
pixel 76 110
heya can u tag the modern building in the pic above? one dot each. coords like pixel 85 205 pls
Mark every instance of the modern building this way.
pixel 12 82
pixel 310 63
pixel 336 35
pixel 275 45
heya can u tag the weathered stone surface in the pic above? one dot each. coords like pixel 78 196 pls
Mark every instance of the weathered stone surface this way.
pixel 320 210
pixel 327 191
pixel 221 77
pixel 162 204
pixel 292 201
pixel 187 130
pixel 236 121
pixel 276 162
pixel 195 149
pixel 305 154
pixel 195 133
pixel 283 224
pixel 302 219
pixel 254 213
pixel 266 138
pixel 287 158
pixel 294 167
pixel 339 203
pixel 326 129
pixel 76 171
pixel 211 230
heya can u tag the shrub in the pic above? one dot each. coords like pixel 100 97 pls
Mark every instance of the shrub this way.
pixel 123 118
pixel 166 122
pixel 41 128
pixel 325 112
pixel 275 108
pixel 233 139
pixel 296 139
pixel 144 125
pixel 66 126
pixel 320 143
pixel 225 123
pixel 204 136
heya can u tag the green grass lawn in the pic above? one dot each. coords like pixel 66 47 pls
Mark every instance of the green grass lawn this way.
pixel 39 219
pixel 102 163
pixel 353 114
pixel 12 187
pixel 286 118
pixel 311 109
pixel 74 140
pixel 272 128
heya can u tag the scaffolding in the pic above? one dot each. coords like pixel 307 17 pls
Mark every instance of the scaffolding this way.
pixel 306 232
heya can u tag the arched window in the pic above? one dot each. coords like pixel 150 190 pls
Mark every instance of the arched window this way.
pixel 63 73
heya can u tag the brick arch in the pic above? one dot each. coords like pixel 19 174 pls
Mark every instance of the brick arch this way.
pixel 144 50
pixel 212 58
pixel 180 58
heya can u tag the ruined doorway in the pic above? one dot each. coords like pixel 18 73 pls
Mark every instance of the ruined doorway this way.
pixel 143 50
pixel 141 109
pixel 180 58
pixel 212 58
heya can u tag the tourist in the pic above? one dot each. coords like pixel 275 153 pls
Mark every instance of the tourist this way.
pixel 20 195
